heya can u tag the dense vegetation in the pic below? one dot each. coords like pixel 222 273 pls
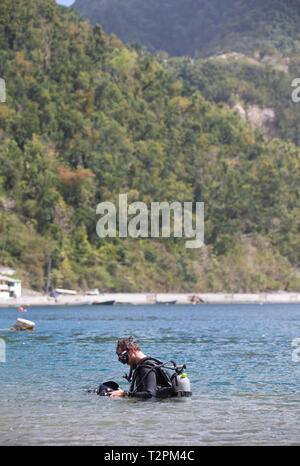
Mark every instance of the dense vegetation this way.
pixel 87 118
pixel 236 79
pixel 200 27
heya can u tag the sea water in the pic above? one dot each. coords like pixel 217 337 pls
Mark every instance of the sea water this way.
pixel 243 369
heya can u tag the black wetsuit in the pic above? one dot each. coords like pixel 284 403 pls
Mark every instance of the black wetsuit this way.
pixel 148 382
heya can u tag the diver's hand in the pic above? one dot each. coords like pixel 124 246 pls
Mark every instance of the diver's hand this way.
pixel 118 393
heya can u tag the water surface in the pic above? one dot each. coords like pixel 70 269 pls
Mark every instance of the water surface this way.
pixel 239 358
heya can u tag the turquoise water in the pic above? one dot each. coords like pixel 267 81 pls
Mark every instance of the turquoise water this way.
pixel 239 358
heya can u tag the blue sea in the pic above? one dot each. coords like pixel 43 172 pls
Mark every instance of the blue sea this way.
pixel 240 360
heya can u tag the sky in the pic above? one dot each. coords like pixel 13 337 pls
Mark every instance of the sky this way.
pixel 65 2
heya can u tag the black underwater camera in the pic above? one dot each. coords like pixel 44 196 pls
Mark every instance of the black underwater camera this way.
pixel 105 388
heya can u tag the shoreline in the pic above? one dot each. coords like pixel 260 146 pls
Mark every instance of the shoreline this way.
pixel 154 298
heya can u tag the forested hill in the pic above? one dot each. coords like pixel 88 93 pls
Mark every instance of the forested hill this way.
pixel 86 119
pixel 201 27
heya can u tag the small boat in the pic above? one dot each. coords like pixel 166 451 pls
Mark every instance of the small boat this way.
pixel 59 291
pixel 166 302
pixel 23 324
pixel 101 303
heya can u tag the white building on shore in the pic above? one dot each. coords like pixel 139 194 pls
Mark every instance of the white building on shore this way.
pixel 10 287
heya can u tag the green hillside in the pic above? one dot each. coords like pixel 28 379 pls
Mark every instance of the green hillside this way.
pixel 258 90
pixel 200 27
pixel 248 50
pixel 86 119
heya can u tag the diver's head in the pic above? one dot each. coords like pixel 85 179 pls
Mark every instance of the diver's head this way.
pixel 129 352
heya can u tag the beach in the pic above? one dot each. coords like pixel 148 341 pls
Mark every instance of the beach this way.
pixel 36 299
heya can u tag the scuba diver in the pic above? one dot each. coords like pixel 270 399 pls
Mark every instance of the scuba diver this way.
pixel 148 376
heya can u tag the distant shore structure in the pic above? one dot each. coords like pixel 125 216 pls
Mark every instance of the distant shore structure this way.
pixel 63 291
pixel 194 299
pixel 10 287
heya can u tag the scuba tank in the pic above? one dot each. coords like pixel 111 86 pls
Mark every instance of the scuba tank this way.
pixel 177 385
pixel 181 385
pixel 180 382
